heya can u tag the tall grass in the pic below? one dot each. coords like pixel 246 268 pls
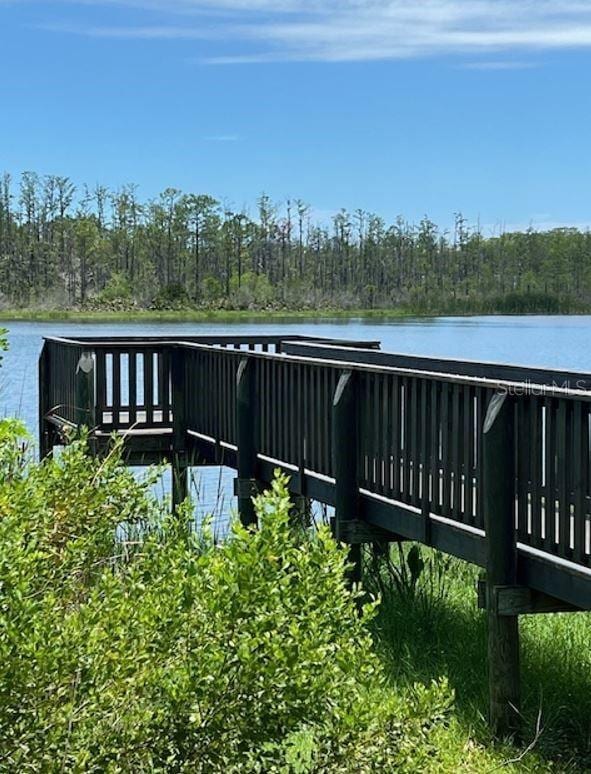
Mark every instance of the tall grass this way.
pixel 434 629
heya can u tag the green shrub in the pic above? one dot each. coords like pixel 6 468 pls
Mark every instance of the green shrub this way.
pixel 116 289
pixel 129 643
pixel 172 296
pixel 254 291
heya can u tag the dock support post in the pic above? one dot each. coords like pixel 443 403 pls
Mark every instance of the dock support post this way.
pixel 180 483
pixel 45 434
pixel 85 391
pixel 246 440
pixel 501 570
pixel 344 444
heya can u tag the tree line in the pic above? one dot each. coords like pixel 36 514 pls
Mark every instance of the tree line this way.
pixel 68 247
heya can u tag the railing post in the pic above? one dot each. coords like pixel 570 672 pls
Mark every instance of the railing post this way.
pixel 345 451
pixel 501 570
pixel 246 422
pixel 85 390
pixel 179 466
pixel 45 435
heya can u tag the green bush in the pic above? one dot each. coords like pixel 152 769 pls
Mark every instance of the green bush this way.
pixel 116 289
pixel 254 291
pixel 172 296
pixel 130 643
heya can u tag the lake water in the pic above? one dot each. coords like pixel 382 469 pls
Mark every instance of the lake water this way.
pixel 553 342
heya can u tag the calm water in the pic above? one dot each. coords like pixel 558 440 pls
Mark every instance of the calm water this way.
pixel 559 342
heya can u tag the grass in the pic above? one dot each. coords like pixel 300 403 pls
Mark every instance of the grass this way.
pixel 198 315
pixel 248 315
pixel 437 630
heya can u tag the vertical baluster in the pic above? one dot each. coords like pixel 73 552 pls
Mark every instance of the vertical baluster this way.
pixel 405 429
pixel 267 398
pixel 445 450
pixel 132 386
pixel 326 408
pixel 149 387
pixel 396 446
pixel 522 467
pixel 314 383
pixel 579 458
pixel 425 444
pixel 367 429
pixel 116 388
pixel 165 359
pixel 586 477
pixel 563 499
pixel 481 394
pixel 288 412
pixel 291 401
pixel 548 523
pixel 535 434
pixel 386 434
pixel 414 442
pixel 225 393
pixel 455 440
pixel 434 445
pixel 468 445
pixel 300 417
pixel 376 407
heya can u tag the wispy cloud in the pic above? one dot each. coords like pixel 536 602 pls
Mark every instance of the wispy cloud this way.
pixel 359 30
pixel 222 138
pixel 502 64
pixel 155 32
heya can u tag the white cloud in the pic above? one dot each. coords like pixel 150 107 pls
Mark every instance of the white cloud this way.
pixel 358 30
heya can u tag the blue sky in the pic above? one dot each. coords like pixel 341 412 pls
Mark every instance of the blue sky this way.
pixel 479 106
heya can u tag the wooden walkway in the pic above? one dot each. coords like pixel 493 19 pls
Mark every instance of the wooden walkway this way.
pixel 487 462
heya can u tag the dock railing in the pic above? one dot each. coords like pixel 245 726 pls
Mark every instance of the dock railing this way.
pixel 490 463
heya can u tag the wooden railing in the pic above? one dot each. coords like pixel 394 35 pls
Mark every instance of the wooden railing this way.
pixel 405 447
pixel 419 428
pixel 131 376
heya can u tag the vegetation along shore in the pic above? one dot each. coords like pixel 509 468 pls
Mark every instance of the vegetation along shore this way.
pixel 93 250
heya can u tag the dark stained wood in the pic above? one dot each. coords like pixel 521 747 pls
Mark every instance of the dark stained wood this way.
pixel 411 438
pixel 45 433
pixel 501 566
pixel 246 422
pixel 345 446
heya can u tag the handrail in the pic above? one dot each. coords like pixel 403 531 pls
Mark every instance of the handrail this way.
pixel 488 462
pixel 420 430
pixel 334 357
pixel 507 372
pixel 122 341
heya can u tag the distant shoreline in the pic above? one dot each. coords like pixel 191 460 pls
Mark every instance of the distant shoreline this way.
pixel 245 316
pixel 199 315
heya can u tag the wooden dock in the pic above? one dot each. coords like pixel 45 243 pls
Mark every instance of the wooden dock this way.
pixel 490 463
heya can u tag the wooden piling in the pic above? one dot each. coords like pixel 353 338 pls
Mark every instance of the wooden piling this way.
pixel 501 569
pixel 45 434
pixel 85 391
pixel 345 446
pixel 179 464
pixel 246 440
